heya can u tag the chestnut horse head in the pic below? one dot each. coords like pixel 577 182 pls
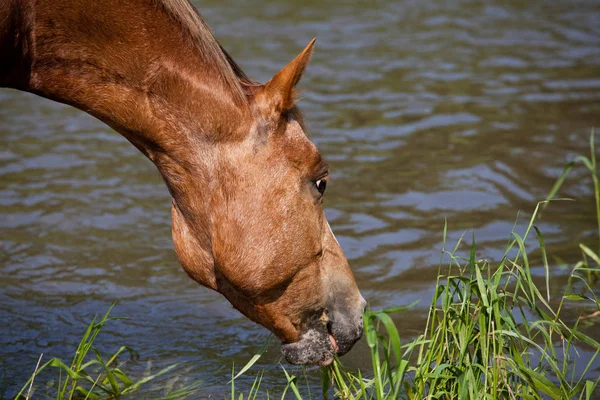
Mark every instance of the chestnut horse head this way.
pixel 247 182
pixel 271 250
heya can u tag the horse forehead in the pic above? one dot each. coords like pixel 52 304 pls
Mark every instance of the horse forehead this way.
pixel 298 146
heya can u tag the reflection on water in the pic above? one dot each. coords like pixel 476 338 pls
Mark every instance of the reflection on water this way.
pixel 425 112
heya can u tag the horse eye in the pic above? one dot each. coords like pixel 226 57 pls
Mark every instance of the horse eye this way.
pixel 321 185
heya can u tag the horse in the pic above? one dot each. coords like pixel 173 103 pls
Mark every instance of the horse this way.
pixel 246 181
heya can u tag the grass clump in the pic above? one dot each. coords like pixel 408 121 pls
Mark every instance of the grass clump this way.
pixel 491 333
pixel 100 377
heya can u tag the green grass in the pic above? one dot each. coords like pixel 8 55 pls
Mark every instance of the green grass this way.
pixel 493 331
pixel 100 377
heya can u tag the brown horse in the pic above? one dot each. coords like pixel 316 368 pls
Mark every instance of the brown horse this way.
pixel 247 183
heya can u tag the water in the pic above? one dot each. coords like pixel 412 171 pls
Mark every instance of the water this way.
pixel 425 111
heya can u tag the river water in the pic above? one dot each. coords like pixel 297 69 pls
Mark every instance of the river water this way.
pixel 424 110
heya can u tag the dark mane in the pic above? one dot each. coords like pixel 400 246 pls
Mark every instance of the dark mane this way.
pixel 192 22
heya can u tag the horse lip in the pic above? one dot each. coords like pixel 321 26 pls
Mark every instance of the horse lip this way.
pixel 334 344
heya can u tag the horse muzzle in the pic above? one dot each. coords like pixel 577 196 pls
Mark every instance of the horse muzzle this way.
pixel 334 333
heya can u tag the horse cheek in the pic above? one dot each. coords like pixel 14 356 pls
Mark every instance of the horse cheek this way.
pixel 196 261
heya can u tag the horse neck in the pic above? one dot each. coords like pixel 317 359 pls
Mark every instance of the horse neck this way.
pixel 128 63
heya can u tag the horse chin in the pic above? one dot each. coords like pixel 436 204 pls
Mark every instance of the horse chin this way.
pixel 315 347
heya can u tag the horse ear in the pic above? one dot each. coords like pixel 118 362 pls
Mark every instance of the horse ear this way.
pixel 280 90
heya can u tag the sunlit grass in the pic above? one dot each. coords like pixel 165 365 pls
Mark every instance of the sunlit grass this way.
pixel 491 333
pixel 97 376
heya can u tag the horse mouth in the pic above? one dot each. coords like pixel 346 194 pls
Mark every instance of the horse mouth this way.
pixel 320 344
pixel 317 346
pixel 333 342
